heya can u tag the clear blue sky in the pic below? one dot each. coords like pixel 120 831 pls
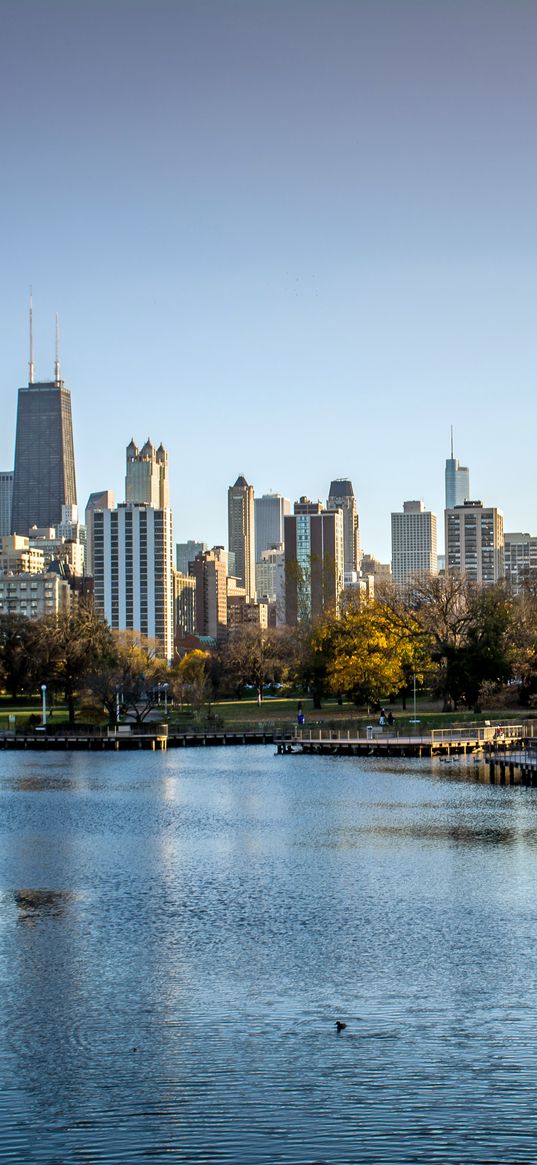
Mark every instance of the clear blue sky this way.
pixel 291 239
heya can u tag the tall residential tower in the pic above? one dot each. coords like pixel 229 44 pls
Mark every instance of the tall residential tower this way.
pixel 131 552
pixel 413 542
pixel 475 542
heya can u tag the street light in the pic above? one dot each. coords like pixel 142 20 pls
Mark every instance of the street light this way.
pixel 414 721
pixel 44 694
pixel 165 686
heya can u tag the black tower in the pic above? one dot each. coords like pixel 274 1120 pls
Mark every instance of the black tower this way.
pixel 44 477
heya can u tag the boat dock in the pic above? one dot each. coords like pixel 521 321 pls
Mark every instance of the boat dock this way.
pixel 121 740
pixel 513 766
pixel 379 742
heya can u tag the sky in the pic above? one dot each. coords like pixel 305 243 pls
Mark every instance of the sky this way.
pixel 293 239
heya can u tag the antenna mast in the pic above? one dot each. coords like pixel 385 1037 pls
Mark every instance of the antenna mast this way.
pixel 452 442
pixel 31 360
pixel 57 360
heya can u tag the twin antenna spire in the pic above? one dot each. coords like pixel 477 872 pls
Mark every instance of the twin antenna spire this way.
pixel 31 366
pixel 31 361
pixel 57 360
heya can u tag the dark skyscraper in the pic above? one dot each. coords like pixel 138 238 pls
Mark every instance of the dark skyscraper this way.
pixel 341 497
pixel 44 476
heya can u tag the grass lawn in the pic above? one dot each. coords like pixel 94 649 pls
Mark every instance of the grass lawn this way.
pixel 25 707
pixel 247 712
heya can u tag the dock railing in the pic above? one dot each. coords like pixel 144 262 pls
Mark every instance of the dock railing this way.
pixel 485 733
pixel 371 732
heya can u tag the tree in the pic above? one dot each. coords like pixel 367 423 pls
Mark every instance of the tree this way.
pixel 467 630
pixel 370 653
pixel 131 676
pixel 486 655
pixel 309 653
pixel 253 655
pixel 524 644
pixel 68 648
pixel 190 677
pixel 17 654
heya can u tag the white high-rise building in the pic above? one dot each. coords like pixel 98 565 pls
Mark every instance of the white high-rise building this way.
pixel 132 570
pixel 414 535
pixel 102 499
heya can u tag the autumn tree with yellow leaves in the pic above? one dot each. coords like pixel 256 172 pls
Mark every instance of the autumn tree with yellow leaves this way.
pixel 369 655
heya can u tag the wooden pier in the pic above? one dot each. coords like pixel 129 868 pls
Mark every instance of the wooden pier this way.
pixel 79 742
pixel 506 750
pixel 512 766
pixel 378 742
pixel 120 741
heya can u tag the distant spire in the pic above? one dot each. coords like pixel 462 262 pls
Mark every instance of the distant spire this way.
pixel 57 376
pixel 452 442
pixel 31 360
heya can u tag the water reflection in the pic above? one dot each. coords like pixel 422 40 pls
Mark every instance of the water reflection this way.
pixel 170 989
pixel 436 833
pixel 34 905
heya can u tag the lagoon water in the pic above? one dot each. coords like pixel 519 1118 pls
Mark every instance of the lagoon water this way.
pixel 179 933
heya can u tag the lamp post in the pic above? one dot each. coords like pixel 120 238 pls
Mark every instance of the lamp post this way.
pixel 44 694
pixel 165 686
pixel 415 720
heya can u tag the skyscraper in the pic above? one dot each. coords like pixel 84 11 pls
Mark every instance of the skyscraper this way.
pixel 102 499
pixel 184 604
pixel 210 572
pixel 241 541
pixel 269 510
pixel 475 542
pixel 185 553
pixel 44 475
pixel 413 542
pixel 132 570
pixel 146 479
pixel 313 562
pixel 6 501
pixel 520 552
pixel 132 553
pixel 457 481
pixel 341 497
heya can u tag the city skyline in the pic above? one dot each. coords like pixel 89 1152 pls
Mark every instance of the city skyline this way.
pixel 307 210
pixel 149 451
pixel 147 482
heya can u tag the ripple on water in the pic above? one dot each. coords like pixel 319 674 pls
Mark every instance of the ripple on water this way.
pixel 186 930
